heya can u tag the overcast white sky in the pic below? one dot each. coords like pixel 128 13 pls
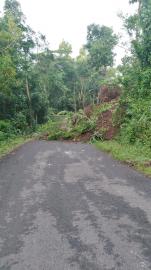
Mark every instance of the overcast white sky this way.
pixel 68 19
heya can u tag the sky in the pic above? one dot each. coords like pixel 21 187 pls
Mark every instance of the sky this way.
pixel 68 19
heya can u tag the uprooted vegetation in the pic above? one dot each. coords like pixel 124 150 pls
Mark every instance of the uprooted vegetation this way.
pixel 93 123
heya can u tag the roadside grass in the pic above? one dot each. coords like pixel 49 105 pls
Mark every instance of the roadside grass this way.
pixel 137 156
pixel 11 144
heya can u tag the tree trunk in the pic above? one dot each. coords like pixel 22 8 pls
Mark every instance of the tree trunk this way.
pixel 75 104
pixel 29 102
pixel 139 7
pixel 27 90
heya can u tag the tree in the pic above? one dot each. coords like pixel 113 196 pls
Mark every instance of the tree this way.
pixel 139 28
pixel 13 8
pixel 65 49
pixel 100 44
pixel 33 78
pixel 135 77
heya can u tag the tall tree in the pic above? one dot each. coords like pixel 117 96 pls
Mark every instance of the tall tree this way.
pixel 100 44
pixel 138 26
pixel 65 49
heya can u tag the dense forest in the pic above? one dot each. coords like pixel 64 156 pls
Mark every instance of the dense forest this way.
pixel 36 82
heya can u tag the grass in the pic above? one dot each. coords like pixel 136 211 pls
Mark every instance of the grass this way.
pixel 11 144
pixel 137 156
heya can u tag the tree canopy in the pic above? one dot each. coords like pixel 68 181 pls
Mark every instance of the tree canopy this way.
pixel 34 78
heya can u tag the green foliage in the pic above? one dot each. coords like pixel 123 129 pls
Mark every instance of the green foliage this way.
pixel 50 126
pixel 136 124
pixel 64 135
pixel 6 130
pixel 3 136
pixel 102 108
pixel 34 79
pixel 84 126
pixel 7 74
pixel 65 49
pixel 100 44
pixel 38 85
pixel 55 136
pixel 136 69
pixel 20 123
pixel 133 115
pixel 5 126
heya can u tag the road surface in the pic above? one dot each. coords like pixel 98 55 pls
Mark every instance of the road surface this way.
pixel 67 206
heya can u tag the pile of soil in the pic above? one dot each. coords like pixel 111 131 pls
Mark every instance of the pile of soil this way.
pixel 106 124
pixel 107 94
pixel 88 110
pixel 84 137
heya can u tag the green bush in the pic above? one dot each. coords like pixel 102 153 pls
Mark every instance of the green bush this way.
pixel 3 136
pixel 6 126
pixel 136 122
pixel 84 126
pixel 61 135
pixel 20 123
pixel 55 136
pixel 7 130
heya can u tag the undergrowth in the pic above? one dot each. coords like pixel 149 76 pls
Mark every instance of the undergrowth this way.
pixel 73 125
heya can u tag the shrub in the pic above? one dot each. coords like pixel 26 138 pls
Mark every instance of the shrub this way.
pixel 66 135
pixel 6 126
pixel 6 130
pixel 20 123
pixel 84 126
pixel 3 136
pixel 136 122
pixel 55 136
pixel 61 135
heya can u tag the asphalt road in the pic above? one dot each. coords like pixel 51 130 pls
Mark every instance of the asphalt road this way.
pixel 66 206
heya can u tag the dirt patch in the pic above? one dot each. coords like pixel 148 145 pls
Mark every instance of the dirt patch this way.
pixel 84 137
pixel 88 110
pixel 105 124
pixel 106 93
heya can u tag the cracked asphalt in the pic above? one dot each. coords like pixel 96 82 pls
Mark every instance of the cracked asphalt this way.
pixel 67 206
